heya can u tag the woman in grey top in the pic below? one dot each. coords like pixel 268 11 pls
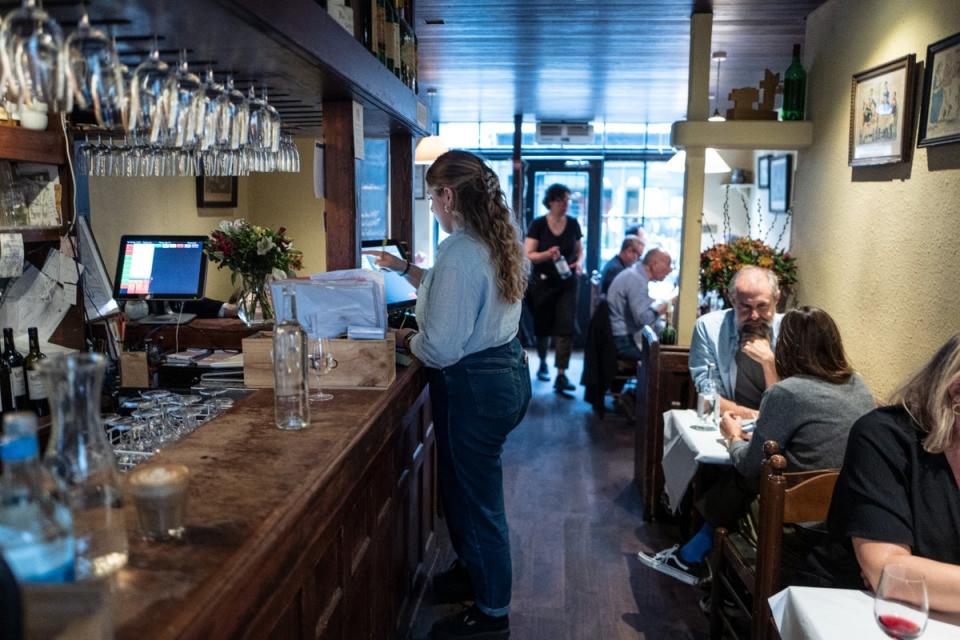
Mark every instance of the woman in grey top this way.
pixel 809 413
pixel 468 312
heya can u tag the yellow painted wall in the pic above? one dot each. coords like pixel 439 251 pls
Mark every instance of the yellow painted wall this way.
pixel 878 248
pixel 168 205
pixel 121 206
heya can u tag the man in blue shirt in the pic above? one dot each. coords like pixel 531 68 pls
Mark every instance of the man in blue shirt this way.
pixel 739 342
pixel 631 307
pixel 630 252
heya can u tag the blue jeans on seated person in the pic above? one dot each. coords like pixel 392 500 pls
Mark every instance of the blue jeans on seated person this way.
pixel 476 403
pixel 627 348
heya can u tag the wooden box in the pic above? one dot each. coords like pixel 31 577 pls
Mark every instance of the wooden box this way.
pixel 361 364
pixel 134 371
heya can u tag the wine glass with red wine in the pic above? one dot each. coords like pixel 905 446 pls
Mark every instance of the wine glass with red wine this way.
pixel 901 606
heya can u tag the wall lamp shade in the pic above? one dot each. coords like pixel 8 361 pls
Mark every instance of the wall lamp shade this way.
pixel 713 162
pixel 429 149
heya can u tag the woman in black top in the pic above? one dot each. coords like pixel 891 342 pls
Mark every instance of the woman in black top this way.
pixel 552 294
pixel 897 500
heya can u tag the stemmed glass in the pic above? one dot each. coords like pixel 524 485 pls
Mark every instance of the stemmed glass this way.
pixel 322 362
pixel 901 607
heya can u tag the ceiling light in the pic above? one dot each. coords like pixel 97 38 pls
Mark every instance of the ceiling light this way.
pixel 714 163
pixel 719 56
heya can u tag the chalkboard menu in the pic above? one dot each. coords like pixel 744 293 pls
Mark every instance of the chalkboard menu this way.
pixel 374 172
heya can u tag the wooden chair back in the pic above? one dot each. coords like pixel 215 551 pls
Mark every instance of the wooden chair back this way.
pixel 663 383
pixel 785 498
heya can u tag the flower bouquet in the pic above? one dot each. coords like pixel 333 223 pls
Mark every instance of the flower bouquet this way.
pixel 253 254
pixel 722 260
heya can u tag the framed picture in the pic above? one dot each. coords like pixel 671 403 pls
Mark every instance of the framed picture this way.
pixel 216 191
pixel 781 174
pixel 763 172
pixel 881 113
pixel 940 110
pixel 419 180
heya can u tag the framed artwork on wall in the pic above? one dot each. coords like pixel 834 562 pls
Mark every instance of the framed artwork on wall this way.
pixel 781 174
pixel 881 113
pixel 940 108
pixel 216 191
pixel 763 172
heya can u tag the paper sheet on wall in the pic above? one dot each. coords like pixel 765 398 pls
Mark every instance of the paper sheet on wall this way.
pixel 97 289
pixel 11 255
pixel 34 300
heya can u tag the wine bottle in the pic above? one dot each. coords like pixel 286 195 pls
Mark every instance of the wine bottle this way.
pixel 668 335
pixel 36 388
pixel 390 36
pixel 13 360
pixel 366 29
pixel 381 19
pixel 794 88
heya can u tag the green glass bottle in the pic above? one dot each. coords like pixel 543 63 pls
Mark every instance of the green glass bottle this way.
pixel 794 88
pixel 36 387
pixel 668 335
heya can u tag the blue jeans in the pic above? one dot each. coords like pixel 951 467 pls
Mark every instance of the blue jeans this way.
pixel 476 403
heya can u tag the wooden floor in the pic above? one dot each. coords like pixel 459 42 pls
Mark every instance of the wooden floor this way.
pixel 576 525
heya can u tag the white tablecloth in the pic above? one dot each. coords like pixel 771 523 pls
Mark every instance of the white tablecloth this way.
pixel 807 613
pixel 684 447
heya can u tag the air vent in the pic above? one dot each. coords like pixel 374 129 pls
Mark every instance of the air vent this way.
pixel 564 133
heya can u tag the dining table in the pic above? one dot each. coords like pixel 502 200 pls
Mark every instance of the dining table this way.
pixel 814 613
pixel 688 442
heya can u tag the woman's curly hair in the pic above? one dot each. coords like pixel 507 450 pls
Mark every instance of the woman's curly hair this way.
pixel 480 207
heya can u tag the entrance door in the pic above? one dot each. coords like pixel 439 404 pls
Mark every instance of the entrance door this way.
pixel 583 178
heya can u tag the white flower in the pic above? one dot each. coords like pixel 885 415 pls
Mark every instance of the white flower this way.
pixel 279 274
pixel 264 245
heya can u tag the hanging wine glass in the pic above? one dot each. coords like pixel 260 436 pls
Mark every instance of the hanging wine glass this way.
pixel 240 109
pixel 212 111
pixel 147 98
pixel 272 126
pixel 34 43
pixel 184 109
pixel 96 80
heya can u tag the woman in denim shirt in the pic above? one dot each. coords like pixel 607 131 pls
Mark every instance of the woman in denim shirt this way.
pixel 468 312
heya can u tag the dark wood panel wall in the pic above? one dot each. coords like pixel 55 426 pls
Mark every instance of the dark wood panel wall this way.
pixel 341 193
pixel 401 187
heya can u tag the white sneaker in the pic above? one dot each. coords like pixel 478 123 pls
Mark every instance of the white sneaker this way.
pixel 668 562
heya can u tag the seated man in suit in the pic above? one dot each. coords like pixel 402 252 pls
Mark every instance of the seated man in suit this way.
pixel 740 342
pixel 630 251
pixel 631 306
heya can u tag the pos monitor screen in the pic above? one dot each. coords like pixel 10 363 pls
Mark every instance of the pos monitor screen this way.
pixel 399 292
pixel 160 268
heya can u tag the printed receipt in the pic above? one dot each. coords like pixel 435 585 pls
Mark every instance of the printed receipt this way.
pixel 11 255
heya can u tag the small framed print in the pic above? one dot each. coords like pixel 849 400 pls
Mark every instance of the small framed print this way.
pixel 216 191
pixel 940 110
pixel 763 172
pixel 881 113
pixel 781 173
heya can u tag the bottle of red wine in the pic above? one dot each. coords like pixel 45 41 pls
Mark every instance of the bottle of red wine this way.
pixel 794 88
pixel 36 387
pixel 13 372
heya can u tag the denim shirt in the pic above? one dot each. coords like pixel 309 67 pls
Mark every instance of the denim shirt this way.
pixel 716 340
pixel 459 308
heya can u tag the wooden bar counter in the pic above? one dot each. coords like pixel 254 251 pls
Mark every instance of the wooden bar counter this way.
pixel 322 533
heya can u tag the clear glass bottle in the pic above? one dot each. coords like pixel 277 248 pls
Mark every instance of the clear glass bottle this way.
pixel 794 88
pixel 563 268
pixel 36 532
pixel 81 461
pixel 290 367
pixel 708 397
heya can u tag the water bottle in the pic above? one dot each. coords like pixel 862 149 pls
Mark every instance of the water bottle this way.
pixel 708 398
pixel 36 530
pixel 563 269
pixel 290 368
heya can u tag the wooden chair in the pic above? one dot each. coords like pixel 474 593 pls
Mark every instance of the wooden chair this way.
pixel 663 383
pixel 785 498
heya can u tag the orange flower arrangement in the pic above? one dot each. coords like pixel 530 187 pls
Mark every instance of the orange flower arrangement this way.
pixel 722 260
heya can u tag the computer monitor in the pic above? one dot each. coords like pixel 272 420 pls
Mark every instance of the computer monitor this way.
pixel 161 268
pixel 399 292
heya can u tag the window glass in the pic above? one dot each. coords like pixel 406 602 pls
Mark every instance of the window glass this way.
pixel 374 171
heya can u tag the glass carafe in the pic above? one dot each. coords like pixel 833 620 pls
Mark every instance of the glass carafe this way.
pixel 80 459
pixel 290 367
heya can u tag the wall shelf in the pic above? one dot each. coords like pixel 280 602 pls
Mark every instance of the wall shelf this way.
pixel 742 134
pixel 26 145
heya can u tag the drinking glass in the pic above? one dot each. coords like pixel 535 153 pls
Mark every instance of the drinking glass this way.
pixel 900 605
pixel 322 362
